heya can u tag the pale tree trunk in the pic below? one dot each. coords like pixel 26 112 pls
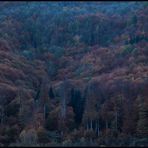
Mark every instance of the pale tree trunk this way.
pixel 97 128
pixel 63 107
pixel 64 95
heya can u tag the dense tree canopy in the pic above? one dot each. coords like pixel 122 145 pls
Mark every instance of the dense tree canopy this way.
pixel 73 74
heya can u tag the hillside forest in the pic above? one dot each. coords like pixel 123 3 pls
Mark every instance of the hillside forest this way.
pixel 73 73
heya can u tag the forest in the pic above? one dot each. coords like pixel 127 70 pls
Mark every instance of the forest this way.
pixel 73 73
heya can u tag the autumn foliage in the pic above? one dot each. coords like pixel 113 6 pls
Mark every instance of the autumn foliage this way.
pixel 73 74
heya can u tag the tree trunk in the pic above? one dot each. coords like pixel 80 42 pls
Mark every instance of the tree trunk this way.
pixel 63 107
pixel 2 114
pixel 106 123
pixel 97 128
pixel 87 126
pixel 91 125
pixel 116 120
pixel 44 112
